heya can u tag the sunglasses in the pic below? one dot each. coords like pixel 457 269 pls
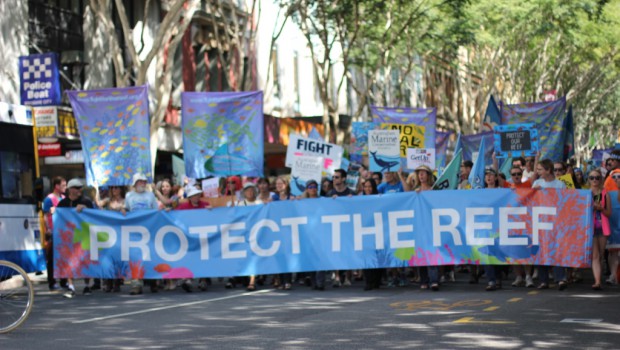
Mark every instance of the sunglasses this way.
pixel 77 188
pixel 597 178
pixel 615 176
pixel 335 177
pixel 312 187
pixel 558 169
pixel 516 174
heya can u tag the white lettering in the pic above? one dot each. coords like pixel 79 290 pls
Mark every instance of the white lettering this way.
pixel 95 244
pixel 537 225
pixel 505 226
pixel 438 228
pixel 159 243
pixel 142 244
pixel 203 236
pixel 395 229
pixel 359 231
pixel 471 226
pixel 270 224
pixel 227 240
pixel 294 223
pixel 335 220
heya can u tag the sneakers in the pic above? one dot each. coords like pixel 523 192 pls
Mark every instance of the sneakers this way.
pixel 451 276
pixel 135 290
pixel 87 291
pixel 187 286
pixel 562 285
pixel 518 282
pixel 491 287
pixel 611 281
pixel 70 292
pixel 347 282
pixel 529 282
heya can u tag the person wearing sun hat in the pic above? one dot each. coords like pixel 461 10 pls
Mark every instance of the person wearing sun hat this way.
pixel 136 200
pixel 429 275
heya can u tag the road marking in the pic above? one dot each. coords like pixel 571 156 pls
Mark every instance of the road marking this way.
pixel 532 292
pixel 472 320
pixel 437 305
pixel 492 308
pixel 169 307
pixel 514 300
pixel 582 320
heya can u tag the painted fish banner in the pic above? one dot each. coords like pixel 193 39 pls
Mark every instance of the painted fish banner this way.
pixel 489 226
pixel 223 133
pixel 424 118
pixel 549 118
pixel 114 131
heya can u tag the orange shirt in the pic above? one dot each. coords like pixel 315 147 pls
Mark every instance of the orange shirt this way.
pixel 526 184
pixel 610 184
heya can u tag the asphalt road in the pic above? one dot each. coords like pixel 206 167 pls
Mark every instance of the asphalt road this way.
pixel 459 316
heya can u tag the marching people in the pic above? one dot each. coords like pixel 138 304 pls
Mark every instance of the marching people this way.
pixel 545 170
pixel 59 187
pixel 114 201
pixel 602 211
pixel 137 200
pixel 429 275
pixel 74 199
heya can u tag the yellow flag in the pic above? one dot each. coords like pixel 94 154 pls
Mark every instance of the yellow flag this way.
pixel 568 181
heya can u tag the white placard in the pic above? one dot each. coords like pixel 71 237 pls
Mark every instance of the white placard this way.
pixel 210 187
pixel 303 146
pixel 305 168
pixel 384 150
pixel 420 156
pixel 46 116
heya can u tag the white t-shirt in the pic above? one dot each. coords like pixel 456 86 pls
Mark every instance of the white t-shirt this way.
pixel 549 184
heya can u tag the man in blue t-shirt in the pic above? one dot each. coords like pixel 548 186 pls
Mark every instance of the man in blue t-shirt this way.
pixel 392 184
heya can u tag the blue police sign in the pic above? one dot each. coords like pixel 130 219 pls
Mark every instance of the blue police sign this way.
pixel 40 84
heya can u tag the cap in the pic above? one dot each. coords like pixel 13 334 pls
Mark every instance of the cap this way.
pixel 490 170
pixel 311 182
pixel 248 185
pixel 192 191
pixel 75 183
pixel 138 177
pixel 425 168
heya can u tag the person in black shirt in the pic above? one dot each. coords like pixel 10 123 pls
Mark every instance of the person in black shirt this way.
pixel 74 199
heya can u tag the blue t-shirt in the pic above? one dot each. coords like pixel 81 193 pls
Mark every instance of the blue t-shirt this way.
pixel 385 188
pixel 140 201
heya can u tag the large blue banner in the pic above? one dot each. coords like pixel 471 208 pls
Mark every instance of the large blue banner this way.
pixel 223 133
pixel 425 118
pixel 492 226
pixel 549 118
pixel 114 131
pixel 39 78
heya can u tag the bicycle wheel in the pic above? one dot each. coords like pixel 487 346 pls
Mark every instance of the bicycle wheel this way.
pixel 16 296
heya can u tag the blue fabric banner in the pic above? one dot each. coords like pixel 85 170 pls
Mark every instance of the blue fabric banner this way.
pixel 549 118
pixel 40 81
pixel 490 226
pixel 223 133
pixel 423 117
pixel 471 144
pixel 114 131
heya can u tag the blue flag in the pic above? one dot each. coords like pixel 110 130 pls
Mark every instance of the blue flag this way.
pixel 449 179
pixel 314 134
pixel 506 166
pixel 569 138
pixel 492 116
pixel 476 177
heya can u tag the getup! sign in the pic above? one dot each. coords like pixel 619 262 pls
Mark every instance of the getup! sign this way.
pixel 515 140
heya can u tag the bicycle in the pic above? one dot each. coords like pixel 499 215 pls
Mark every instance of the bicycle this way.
pixel 16 296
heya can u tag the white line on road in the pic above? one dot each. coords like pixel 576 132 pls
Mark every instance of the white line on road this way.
pixel 169 307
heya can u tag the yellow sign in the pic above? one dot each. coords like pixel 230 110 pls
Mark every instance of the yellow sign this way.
pixel 411 136
pixel 67 127
pixel 568 181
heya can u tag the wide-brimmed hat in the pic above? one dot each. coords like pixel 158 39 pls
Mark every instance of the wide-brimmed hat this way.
pixel 425 168
pixel 73 183
pixel 138 177
pixel 192 191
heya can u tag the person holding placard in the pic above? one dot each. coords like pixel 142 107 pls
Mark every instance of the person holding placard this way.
pixel 429 275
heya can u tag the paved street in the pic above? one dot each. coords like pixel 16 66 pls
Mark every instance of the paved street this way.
pixel 460 316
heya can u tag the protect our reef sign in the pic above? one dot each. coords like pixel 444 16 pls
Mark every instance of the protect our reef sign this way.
pixel 384 150
pixel 515 140
pixel 303 146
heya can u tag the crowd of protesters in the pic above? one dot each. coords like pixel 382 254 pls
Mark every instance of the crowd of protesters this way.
pixel 244 191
